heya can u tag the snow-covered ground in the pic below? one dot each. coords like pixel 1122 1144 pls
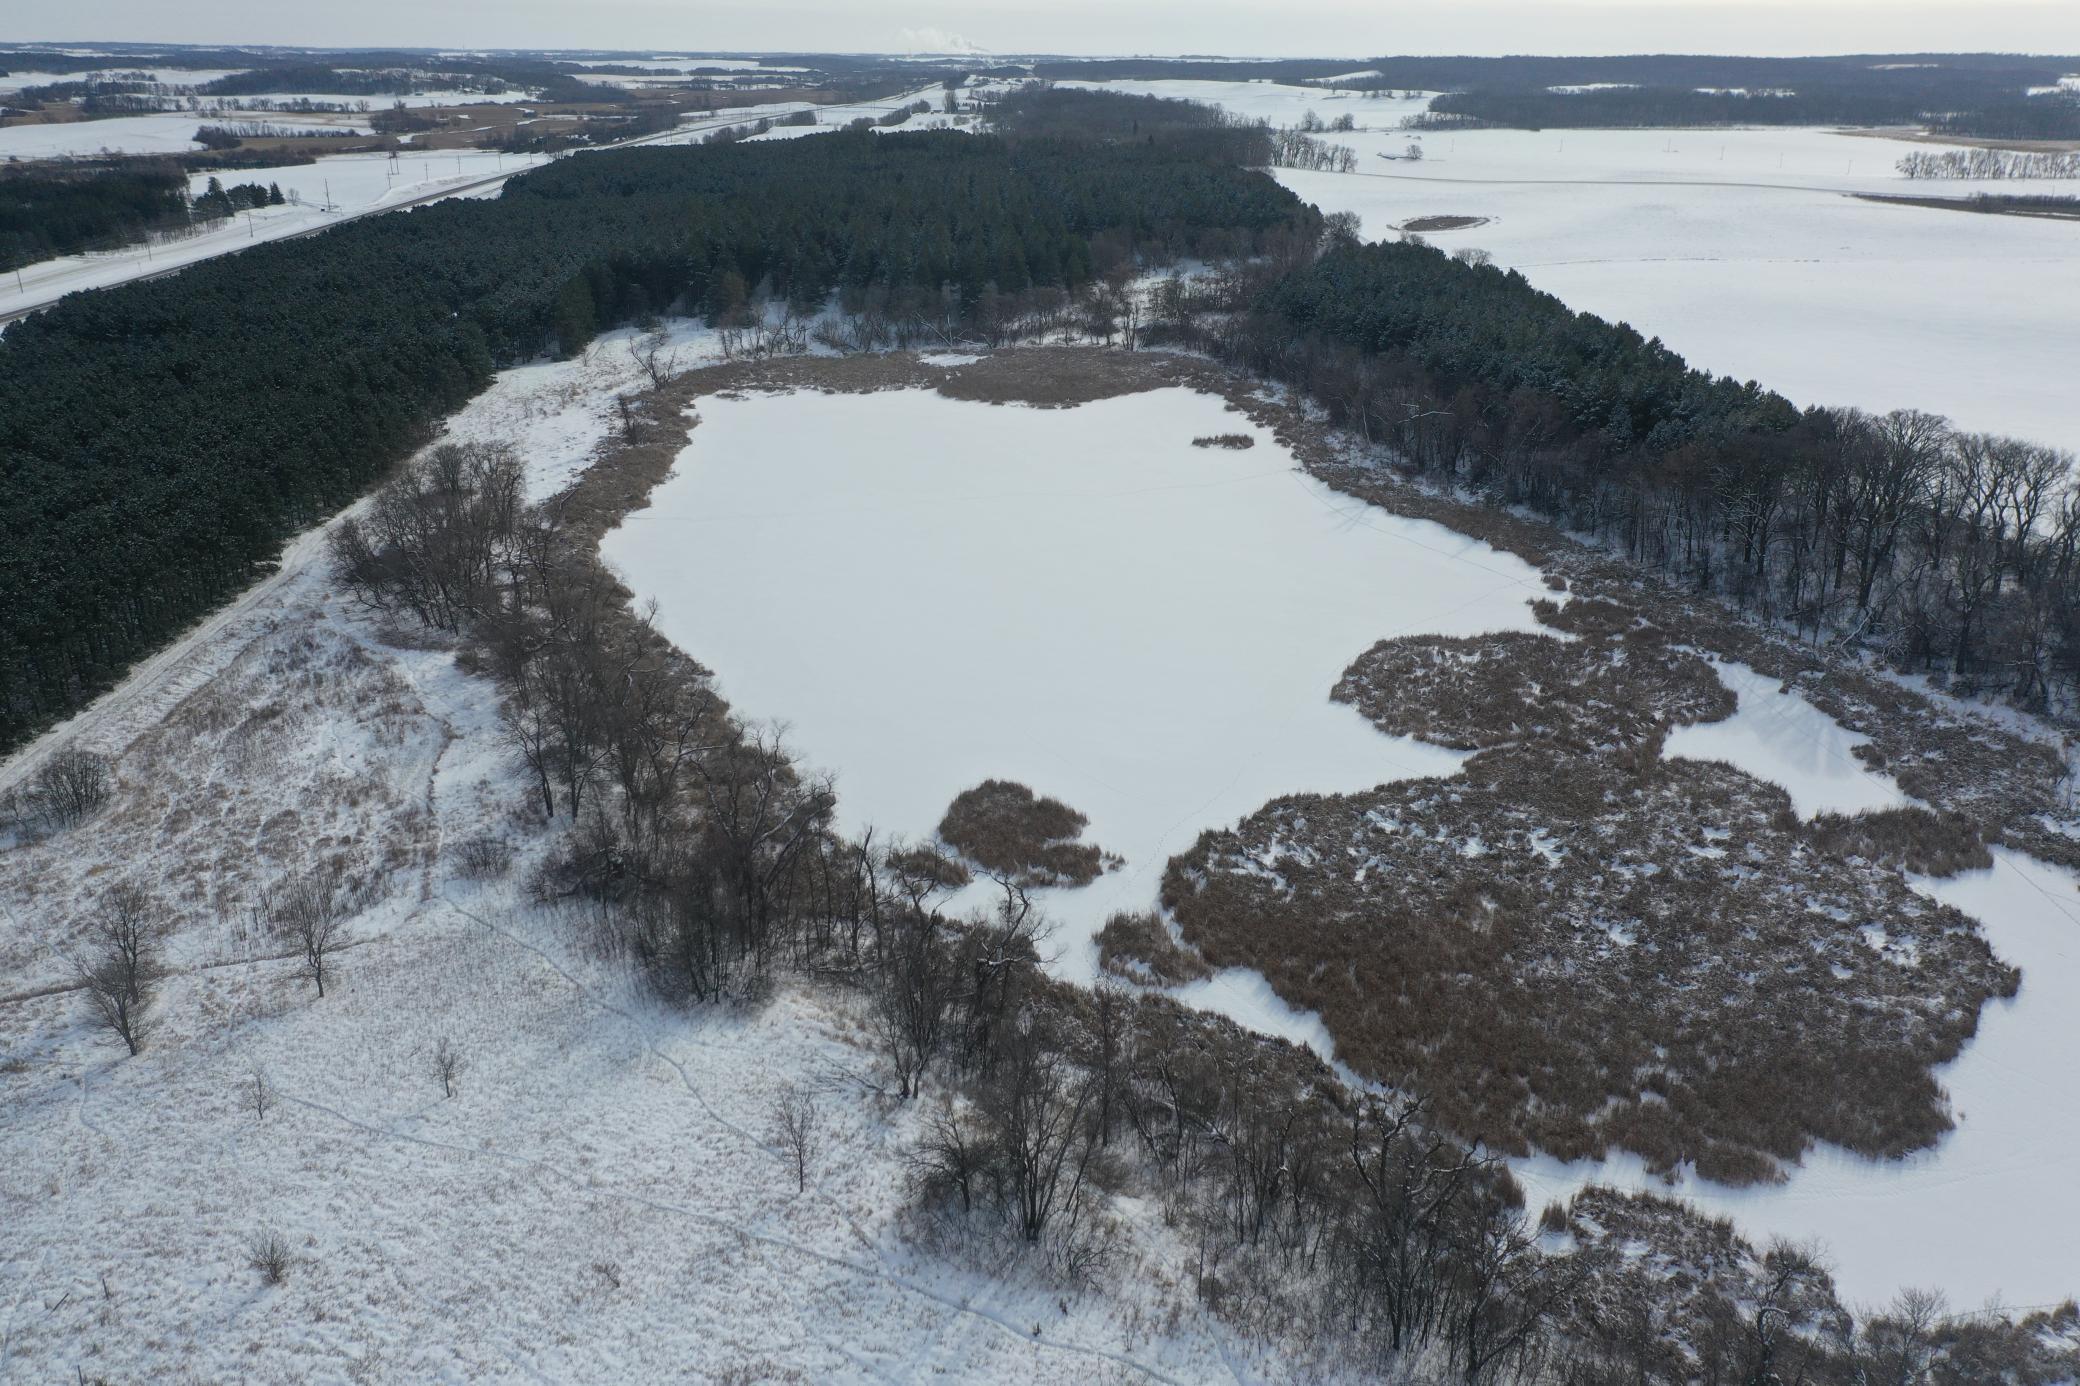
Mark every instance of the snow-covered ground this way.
pixel 1143 629
pixel 170 133
pixel 602 1198
pixel 1826 298
pixel 1741 249
pixel 18 78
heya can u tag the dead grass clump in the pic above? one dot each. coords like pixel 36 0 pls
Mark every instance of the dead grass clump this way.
pixel 1572 954
pixel 1138 948
pixel 1234 441
pixel 1910 838
pixel 1478 692
pixel 1007 830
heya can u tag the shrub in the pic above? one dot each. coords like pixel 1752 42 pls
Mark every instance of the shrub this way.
pixel 69 787
pixel 1235 441
pixel 268 1253
pixel 483 858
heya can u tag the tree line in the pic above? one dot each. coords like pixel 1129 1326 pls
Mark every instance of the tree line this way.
pixel 1960 93
pixel 1942 550
pixel 47 212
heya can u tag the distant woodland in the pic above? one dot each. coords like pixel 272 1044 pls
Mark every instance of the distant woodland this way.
pixel 159 441
pixel 1983 95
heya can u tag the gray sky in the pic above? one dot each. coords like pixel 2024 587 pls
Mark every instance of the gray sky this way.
pixel 1258 27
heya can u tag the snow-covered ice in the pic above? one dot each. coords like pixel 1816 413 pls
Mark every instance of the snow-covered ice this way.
pixel 1778 736
pixel 1075 598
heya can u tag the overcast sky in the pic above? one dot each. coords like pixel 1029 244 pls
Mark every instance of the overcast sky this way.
pixel 1261 27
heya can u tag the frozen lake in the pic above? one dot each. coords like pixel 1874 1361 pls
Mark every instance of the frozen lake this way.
pixel 932 592
pixel 1076 598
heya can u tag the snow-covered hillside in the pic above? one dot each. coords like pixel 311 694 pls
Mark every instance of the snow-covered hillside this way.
pixel 601 1198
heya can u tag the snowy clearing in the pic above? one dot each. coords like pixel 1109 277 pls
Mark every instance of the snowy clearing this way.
pixel 1145 630
pixel 1778 736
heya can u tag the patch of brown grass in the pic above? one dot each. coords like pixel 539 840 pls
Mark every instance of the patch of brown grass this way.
pixel 1910 838
pixel 1580 952
pixel 1478 692
pixel 1009 831
pixel 1138 948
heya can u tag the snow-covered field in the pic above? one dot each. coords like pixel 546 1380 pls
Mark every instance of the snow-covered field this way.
pixel 1277 102
pixel 18 78
pixel 601 1199
pixel 1826 298
pixel 1742 250
pixel 1148 631
pixel 356 184
pixel 170 133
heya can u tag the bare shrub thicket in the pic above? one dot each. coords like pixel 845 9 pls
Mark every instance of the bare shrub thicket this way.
pixel 431 541
pixel 1009 831
pixel 68 787
pixel 118 962
pixel 268 1253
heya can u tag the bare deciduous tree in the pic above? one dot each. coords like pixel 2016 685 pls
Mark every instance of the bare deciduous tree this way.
pixel 649 352
pixel 259 1091
pixel 798 1131
pixel 912 997
pixel 119 961
pixel 311 913
pixel 447 1065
